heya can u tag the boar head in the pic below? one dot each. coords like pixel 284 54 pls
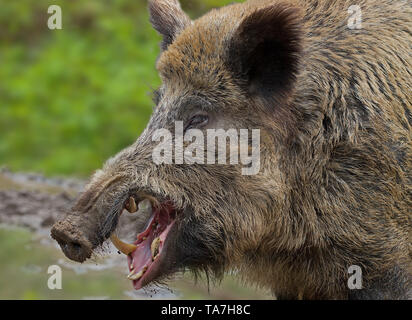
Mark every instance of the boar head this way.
pixel 232 68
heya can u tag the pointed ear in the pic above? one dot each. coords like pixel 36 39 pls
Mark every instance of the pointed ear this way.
pixel 168 18
pixel 264 50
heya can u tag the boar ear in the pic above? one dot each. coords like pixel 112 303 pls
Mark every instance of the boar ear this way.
pixel 168 18
pixel 265 49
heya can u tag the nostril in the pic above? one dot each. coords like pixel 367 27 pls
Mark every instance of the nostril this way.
pixel 74 245
pixel 76 248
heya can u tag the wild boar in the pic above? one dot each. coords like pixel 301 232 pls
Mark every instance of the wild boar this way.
pixel 334 186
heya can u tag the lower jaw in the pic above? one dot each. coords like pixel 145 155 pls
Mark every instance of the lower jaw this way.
pixel 145 263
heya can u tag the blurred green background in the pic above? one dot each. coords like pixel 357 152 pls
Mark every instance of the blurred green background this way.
pixel 71 98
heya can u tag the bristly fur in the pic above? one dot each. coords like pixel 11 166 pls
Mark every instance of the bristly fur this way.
pixel 334 108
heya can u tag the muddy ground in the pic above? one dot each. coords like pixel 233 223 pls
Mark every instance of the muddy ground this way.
pixel 32 201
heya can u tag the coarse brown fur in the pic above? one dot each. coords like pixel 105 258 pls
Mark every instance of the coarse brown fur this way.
pixel 334 107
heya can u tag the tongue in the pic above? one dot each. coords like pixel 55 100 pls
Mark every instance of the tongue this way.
pixel 144 260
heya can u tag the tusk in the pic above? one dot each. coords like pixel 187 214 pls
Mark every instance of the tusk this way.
pixel 123 247
pixel 131 205
pixel 130 274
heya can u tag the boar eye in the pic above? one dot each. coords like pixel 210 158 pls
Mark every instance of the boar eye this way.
pixel 197 121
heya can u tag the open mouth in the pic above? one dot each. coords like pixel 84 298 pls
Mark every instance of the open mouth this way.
pixel 145 254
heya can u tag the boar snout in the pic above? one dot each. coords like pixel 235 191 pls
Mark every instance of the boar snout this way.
pixel 72 240
pixel 92 219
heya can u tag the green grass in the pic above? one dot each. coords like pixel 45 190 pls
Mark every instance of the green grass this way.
pixel 77 95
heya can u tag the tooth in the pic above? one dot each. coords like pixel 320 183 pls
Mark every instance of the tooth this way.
pixel 138 275
pixel 154 248
pixel 123 247
pixel 135 276
pixel 131 205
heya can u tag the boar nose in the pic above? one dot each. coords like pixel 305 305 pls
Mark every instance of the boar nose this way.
pixel 72 241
